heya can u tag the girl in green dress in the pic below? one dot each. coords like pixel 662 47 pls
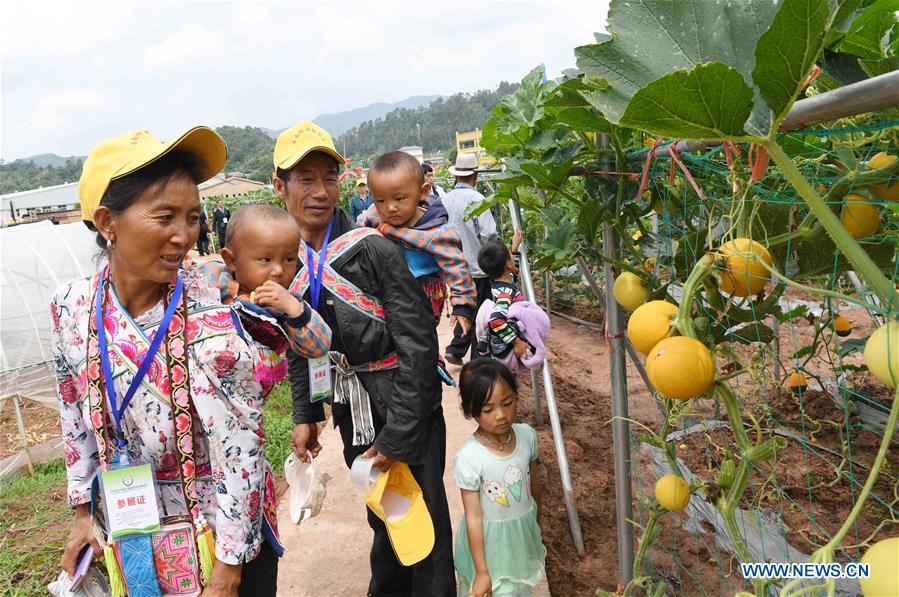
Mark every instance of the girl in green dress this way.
pixel 499 550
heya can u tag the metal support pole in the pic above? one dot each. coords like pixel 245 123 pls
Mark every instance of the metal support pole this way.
pixel 621 444
pixel 21 424
pixel 548 292
pixel 868 296
pixel 587 275
pixel 538 403
pixel 775 327
pixel 526 278
pixel 877 93
pixel 635 359
pixel 556 424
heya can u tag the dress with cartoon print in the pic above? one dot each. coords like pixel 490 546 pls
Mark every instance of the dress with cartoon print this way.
pixel 508 510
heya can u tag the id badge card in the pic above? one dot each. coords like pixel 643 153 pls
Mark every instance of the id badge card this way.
pixel 319 378
pixel 129 497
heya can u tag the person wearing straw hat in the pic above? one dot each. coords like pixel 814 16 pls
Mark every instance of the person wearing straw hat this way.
pixel 386 395
pixel 361 200
pixel 157 392
pixel 474 232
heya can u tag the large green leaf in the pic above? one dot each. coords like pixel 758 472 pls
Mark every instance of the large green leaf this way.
pixel 653 38
pixel 523 108
pixel 711 101
pixel 497 142
pixel 701 65
pixel 548 176
pixel 786 52
pixel 867 33
pixel 880 67
pixel 582 119
pixel 568 93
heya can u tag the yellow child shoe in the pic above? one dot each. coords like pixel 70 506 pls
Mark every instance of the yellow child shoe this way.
pixel 396 499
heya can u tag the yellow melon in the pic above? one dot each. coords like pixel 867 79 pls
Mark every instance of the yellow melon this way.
pixel 649 324
pixel 680 368
pixel 672 493
pixel 860 216
pixel 629 290
pixel 744 273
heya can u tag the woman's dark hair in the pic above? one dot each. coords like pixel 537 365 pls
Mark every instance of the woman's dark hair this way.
pixel 492 258
pixel 477 380
pixel 123 192
pixel 426 168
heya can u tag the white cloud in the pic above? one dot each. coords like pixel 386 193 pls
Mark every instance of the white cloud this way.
pixel 55 108
pixel 192 43
pixel 61 29
pixel 261 64
pixel 251 13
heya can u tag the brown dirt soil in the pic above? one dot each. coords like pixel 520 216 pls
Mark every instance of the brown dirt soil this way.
pixel 580 366
pixel 41 424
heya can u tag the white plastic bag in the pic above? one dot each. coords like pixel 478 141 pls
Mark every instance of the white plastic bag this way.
pixel 93 585
pixel 307 488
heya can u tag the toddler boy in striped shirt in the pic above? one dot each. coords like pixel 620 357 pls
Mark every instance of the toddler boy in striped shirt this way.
pixel 432 246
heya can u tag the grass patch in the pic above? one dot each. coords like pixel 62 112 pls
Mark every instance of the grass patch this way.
pixel 34 525
pixel 278 424
pixel 277 420
pixel 35 513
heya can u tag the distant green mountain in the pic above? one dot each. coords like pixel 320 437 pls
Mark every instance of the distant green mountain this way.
pixel 24 174
pixel 51 159
pixel 433 126
pixel 249 151
pixel 340 122
pixel 365 132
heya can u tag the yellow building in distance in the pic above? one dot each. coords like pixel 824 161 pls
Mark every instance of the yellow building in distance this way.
pixel 470 142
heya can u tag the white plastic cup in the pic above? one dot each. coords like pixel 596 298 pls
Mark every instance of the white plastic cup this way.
pixel 362 474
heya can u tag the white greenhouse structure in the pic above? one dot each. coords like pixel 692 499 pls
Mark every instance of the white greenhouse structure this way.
pixel 36 259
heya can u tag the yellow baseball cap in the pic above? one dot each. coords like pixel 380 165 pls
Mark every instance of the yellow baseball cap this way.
pixel 396 499
pixel 299 141
pixel 362 181
pixel 128 153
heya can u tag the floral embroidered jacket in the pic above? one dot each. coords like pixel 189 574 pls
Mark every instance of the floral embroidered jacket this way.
pixel 227 430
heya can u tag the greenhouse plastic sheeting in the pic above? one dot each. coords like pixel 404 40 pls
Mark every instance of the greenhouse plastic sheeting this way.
pixel 35 259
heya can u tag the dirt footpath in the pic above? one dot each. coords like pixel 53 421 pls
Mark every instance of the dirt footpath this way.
pixel 328 555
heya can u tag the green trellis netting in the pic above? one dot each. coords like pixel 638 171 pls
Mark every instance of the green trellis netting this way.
pixel 829 430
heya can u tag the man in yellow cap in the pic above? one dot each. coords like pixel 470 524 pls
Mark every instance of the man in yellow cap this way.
pixel 361 200
pixel 386 394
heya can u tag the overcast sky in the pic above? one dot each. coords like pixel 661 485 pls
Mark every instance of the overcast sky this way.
pixel 75 73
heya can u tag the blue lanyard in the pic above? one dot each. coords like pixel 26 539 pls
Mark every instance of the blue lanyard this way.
pixel 109 382
pixel 315 279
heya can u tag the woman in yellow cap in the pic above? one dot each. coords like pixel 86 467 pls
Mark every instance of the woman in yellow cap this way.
pixel 150 371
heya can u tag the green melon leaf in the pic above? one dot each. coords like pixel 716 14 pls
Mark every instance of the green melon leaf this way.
pixel 582 119
pixel 786 52
pixel 710 101
pixel 701 65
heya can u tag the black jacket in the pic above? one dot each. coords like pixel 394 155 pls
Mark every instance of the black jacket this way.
pixel 219 217
pixel 406 396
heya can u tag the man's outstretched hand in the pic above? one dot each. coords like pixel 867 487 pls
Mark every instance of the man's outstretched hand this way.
pixel 379 461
